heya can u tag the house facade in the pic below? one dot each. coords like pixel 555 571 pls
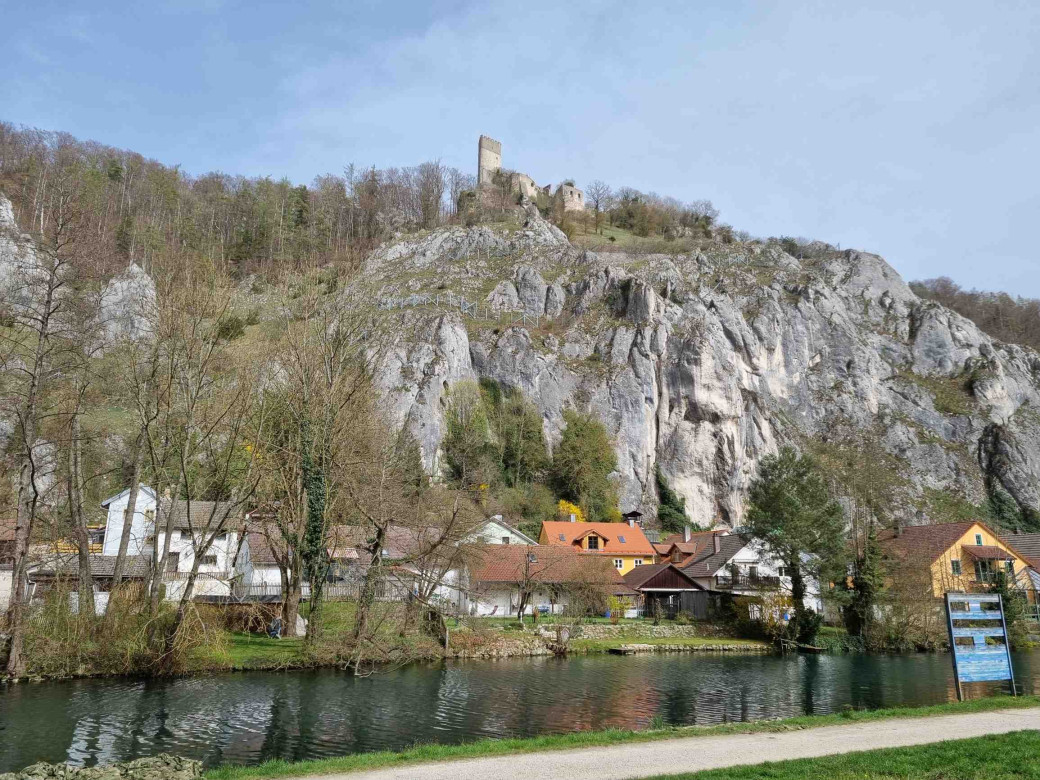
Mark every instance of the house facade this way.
pixel 192 536
pixel 964 557
pixel 557 578
pixel 624 544
pixel 496 531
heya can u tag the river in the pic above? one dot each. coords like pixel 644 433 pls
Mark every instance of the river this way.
pixel 249 717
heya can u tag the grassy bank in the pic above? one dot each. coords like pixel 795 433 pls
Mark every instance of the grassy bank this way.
pixel 424 753
pixel 995 757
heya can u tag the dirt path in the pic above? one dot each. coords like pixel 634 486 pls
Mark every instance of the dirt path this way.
pixel 690 754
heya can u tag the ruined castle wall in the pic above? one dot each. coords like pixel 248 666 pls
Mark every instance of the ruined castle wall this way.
pixel 489 159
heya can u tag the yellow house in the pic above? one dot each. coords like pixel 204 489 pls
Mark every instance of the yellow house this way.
pixel 958 557
pixel 624 543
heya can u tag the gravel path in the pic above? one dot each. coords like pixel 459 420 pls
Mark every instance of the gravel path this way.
pixel 690 754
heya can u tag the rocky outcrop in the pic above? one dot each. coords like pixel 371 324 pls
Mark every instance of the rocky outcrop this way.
pixel 160 767
pixel 701 365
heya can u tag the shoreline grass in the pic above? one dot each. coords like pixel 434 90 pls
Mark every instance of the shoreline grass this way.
pixel 488 747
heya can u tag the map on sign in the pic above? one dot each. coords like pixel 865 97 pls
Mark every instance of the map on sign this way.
pixel 978 639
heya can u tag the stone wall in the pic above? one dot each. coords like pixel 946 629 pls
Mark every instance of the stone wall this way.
pixel 160 767
pixel 489 158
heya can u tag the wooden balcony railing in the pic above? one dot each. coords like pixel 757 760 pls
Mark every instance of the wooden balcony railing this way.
pixel 746 582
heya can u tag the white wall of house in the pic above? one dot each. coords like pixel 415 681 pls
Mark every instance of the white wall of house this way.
pixel 140 527
pixel 495 532
pixel 753 555
pixel 6 586
pixel 252 574
pixel 507 598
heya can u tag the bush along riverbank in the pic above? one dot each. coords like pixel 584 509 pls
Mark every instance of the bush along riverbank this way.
pixel 216 639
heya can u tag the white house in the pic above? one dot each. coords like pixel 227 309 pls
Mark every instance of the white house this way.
pixel 193 525
pixel 735 563
pixel 496 531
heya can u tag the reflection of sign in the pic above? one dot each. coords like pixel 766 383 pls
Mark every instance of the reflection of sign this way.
pixel 978 639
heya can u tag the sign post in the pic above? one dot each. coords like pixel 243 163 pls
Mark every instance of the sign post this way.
pixel 974 658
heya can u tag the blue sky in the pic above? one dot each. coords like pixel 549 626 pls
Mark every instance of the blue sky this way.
pixel 911 129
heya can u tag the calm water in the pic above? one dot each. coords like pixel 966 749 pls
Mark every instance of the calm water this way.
pixel 249 717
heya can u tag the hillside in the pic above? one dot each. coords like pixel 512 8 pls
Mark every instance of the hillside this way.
pixel 698 362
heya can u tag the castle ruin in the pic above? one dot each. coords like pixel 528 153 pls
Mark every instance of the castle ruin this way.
pixel 489 161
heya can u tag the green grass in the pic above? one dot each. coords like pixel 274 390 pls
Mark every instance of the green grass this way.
pixel 255 651
pixel 488 747
pixel 999 756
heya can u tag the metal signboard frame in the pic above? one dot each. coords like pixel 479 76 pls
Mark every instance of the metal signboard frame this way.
pixel 979 661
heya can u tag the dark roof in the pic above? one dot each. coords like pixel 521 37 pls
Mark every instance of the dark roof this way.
pixel 987 552
pixel 660 575
pixel 510 563
pixel 1028 545
pixel 707 562
pixel 135 567
pixel 205 515
pixel 260 551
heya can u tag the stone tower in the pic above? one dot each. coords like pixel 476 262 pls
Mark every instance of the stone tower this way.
pixel 489 159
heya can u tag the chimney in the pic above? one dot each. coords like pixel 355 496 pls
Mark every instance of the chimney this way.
pixel 686 533
pixel 573 518
pixel 716 538
pixel 631 522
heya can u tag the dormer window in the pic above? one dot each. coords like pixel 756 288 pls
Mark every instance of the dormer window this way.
pixel 593 543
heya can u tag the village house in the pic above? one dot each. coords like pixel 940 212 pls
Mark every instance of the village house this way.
pixel 624 544
pixel 964 557
pixel 203 528
pixel 556 579
pixel 666 590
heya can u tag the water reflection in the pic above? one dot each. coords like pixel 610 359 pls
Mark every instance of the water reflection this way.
pixel 252 717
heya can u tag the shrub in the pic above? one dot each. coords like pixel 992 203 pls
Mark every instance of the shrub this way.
pixel 230 327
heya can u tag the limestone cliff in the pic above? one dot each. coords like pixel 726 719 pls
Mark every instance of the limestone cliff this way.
pixel 702 364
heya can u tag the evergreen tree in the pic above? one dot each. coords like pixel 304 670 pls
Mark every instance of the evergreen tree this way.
pixel 791 512
pixel 671 510
pixel 583 462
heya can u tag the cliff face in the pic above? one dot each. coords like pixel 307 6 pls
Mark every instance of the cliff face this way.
pixel 703 364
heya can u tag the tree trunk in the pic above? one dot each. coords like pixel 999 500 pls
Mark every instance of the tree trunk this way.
pixel 27 495
pixel 75 495
pixel 128 513
pixel 159 562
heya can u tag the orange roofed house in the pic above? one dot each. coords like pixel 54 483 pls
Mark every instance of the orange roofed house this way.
pixel 955 557
pixel 624 544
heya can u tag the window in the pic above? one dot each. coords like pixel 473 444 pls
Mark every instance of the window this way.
pixel 593 543
pixel 782 571
pixel 185 536
pixel 172 561
pixel 978 539
pixel 221 537
pixel 637 562
pixel 563 537
pixel 621 539
pixel 1010 564
pixel 618 563
pixel 955 568
pixel 208 560
pixel 505 540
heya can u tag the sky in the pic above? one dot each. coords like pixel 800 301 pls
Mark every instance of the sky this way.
pixel 909 129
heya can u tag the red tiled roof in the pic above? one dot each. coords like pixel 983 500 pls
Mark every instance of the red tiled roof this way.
pixel 986 552
pixel 514 563
pixel 923 542
pixel 635 541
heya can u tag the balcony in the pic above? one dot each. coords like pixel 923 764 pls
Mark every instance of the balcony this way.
pixel 746 582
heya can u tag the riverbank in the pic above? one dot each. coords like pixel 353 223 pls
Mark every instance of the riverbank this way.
pixel 950 719
pixel 253 652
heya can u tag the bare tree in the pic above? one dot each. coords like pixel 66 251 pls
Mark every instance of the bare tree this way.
pixel 598 195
